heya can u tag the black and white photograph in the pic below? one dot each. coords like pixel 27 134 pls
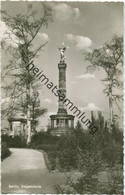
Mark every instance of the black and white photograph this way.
pixel 62 97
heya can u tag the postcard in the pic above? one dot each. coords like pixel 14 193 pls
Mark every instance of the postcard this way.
pixel 62 97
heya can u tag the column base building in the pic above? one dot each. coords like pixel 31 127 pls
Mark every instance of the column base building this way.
pixel 61 124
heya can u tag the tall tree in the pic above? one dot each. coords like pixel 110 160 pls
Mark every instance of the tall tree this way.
pixel 36 109
pixel 109 58
pixel 25 29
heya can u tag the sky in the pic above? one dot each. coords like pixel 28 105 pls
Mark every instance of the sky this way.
pixel 81 26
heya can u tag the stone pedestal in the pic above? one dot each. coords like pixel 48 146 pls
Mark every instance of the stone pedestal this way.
pixel 58 121
pixel 17 127
pixel 61 124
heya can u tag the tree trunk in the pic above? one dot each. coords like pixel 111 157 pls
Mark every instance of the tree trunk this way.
pixel 34 126
pixel 28 115
pixel 28 126
pixel 25 53
pixel 110 112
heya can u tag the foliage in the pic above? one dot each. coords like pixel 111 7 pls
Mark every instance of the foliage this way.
pixel 70 149
pixel 110 59
pixel 43 138
pixel 5 152
pixel 78 126
pixel 25 28
pixel 87 156
pixel 14 142
pixel 80 184
pixel 84 184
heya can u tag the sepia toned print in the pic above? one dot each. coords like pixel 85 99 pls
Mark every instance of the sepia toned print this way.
pixel 62 97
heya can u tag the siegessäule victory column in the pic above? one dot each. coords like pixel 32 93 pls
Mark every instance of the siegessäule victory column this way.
pixel 62 122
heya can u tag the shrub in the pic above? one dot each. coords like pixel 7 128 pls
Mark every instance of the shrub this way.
pixel 45 147
pixel 14 142
pixel 5 152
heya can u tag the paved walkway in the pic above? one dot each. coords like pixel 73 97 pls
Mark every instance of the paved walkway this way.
pixel 25 172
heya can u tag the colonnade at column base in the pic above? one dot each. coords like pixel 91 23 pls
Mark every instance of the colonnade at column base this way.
pixel 61 124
